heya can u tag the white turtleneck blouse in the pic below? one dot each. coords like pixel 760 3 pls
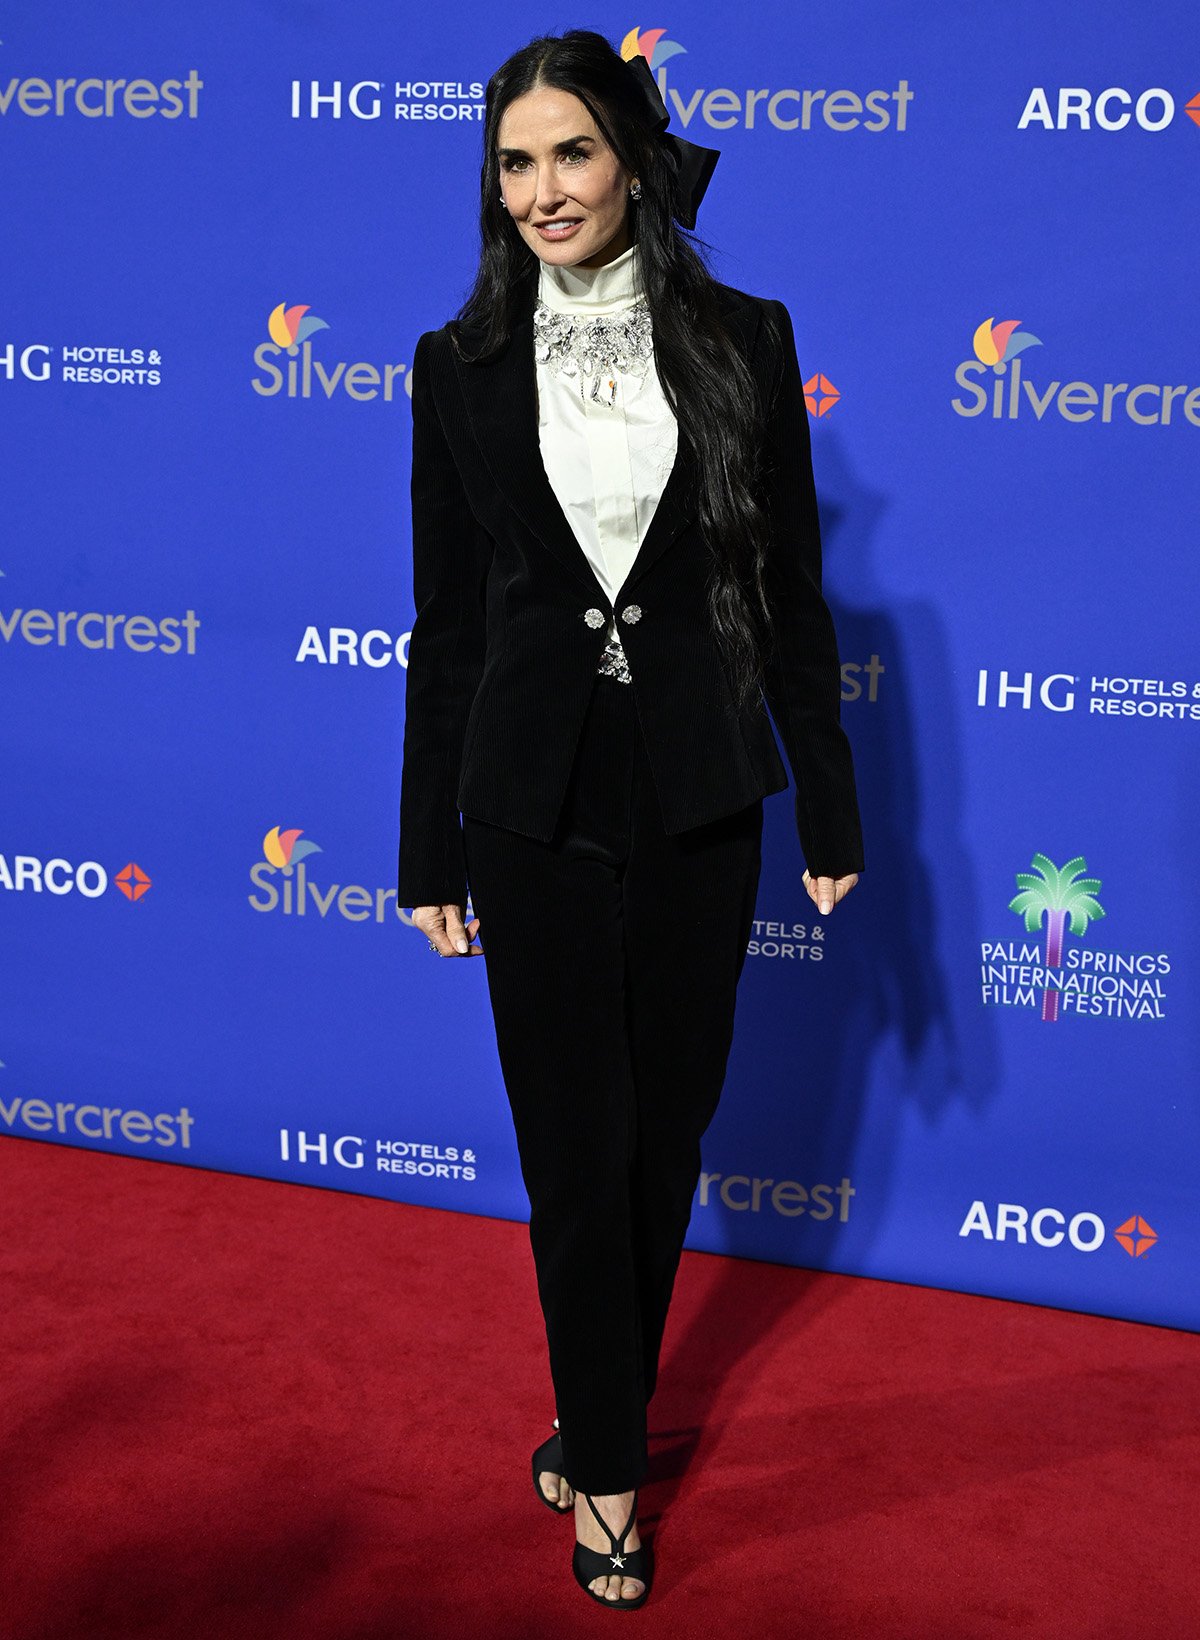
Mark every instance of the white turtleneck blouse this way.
pixel 607 454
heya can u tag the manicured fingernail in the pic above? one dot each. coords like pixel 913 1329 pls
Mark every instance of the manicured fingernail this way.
pixel 462 945
pixel 826 907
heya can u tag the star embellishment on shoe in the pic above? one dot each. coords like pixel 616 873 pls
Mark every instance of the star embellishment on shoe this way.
pixel 617 1560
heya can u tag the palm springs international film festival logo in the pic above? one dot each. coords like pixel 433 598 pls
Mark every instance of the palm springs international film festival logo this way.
pixel 1000 349
pixel 787 109
pixel 287 364
pixel 1059 978
pixel 284 886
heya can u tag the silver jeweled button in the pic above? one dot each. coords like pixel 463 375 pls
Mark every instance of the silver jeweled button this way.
pixel 631 613
pixel 594 617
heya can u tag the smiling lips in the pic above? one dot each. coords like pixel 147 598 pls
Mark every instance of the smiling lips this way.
pixel 558 225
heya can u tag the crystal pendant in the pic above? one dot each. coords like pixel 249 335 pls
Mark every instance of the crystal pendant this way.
pixel 596 350
pixel 613 663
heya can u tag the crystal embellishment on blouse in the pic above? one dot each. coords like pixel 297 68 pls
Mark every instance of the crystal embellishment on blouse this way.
pixel 595 350
pixel 613 663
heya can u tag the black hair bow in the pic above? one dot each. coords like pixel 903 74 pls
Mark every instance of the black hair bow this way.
pixel 693 165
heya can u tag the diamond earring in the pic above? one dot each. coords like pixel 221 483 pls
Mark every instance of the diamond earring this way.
pixel 635 189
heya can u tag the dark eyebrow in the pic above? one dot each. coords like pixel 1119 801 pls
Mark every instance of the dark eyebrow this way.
pixel 568 142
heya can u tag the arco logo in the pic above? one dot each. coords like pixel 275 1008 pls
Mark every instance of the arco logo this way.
pixel 1086 1232
pixel 820 395
pixel 1135 1236
pixel 1077 108
pixel 337 644
pixel 132 881
pixel 27 873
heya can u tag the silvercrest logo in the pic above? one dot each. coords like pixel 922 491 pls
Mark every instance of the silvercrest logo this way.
pixel 98 99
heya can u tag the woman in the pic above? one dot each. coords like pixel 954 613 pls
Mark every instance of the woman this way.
pixel 616 555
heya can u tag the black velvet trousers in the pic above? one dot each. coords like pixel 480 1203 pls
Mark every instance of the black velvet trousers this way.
pixel 613 957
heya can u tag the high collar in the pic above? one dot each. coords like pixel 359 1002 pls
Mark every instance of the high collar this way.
pixel 592 291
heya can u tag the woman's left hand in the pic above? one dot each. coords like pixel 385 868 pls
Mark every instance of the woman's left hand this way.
pixel 825 892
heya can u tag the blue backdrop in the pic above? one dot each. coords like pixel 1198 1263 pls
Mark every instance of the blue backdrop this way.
pixel 981 1072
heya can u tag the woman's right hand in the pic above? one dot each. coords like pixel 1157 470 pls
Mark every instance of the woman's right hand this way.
pixel 444 926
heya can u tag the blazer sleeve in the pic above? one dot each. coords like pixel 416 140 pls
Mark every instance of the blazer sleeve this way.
pixel 451 553
pixel 802 679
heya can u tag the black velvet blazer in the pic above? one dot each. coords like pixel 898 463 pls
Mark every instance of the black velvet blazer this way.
pixel 502 657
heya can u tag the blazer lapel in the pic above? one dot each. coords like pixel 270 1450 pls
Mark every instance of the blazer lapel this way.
pixel 501 401
pixel 677 504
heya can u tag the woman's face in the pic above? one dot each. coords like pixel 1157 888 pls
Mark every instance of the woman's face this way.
pixel 565 189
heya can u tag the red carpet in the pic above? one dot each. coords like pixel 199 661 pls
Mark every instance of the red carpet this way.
pixel 236 1408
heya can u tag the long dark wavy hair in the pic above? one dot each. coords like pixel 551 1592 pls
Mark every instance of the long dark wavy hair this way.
pixel 705 378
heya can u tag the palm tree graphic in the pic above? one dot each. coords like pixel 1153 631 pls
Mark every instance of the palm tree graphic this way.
pixel 1056 895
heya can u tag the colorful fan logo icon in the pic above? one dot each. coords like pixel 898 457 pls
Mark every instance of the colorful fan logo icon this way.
pixel 284 848
pixel 995 344
pixel 650 43
pixel 288 326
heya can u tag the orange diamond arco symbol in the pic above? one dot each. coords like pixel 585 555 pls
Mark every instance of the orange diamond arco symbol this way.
pixel 820 395
pixel 1135 1236
pixel 133 881
pixel 1192 109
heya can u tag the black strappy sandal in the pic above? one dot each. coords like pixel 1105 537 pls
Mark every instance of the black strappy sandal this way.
pixel 549 1458
pixel 589 1564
